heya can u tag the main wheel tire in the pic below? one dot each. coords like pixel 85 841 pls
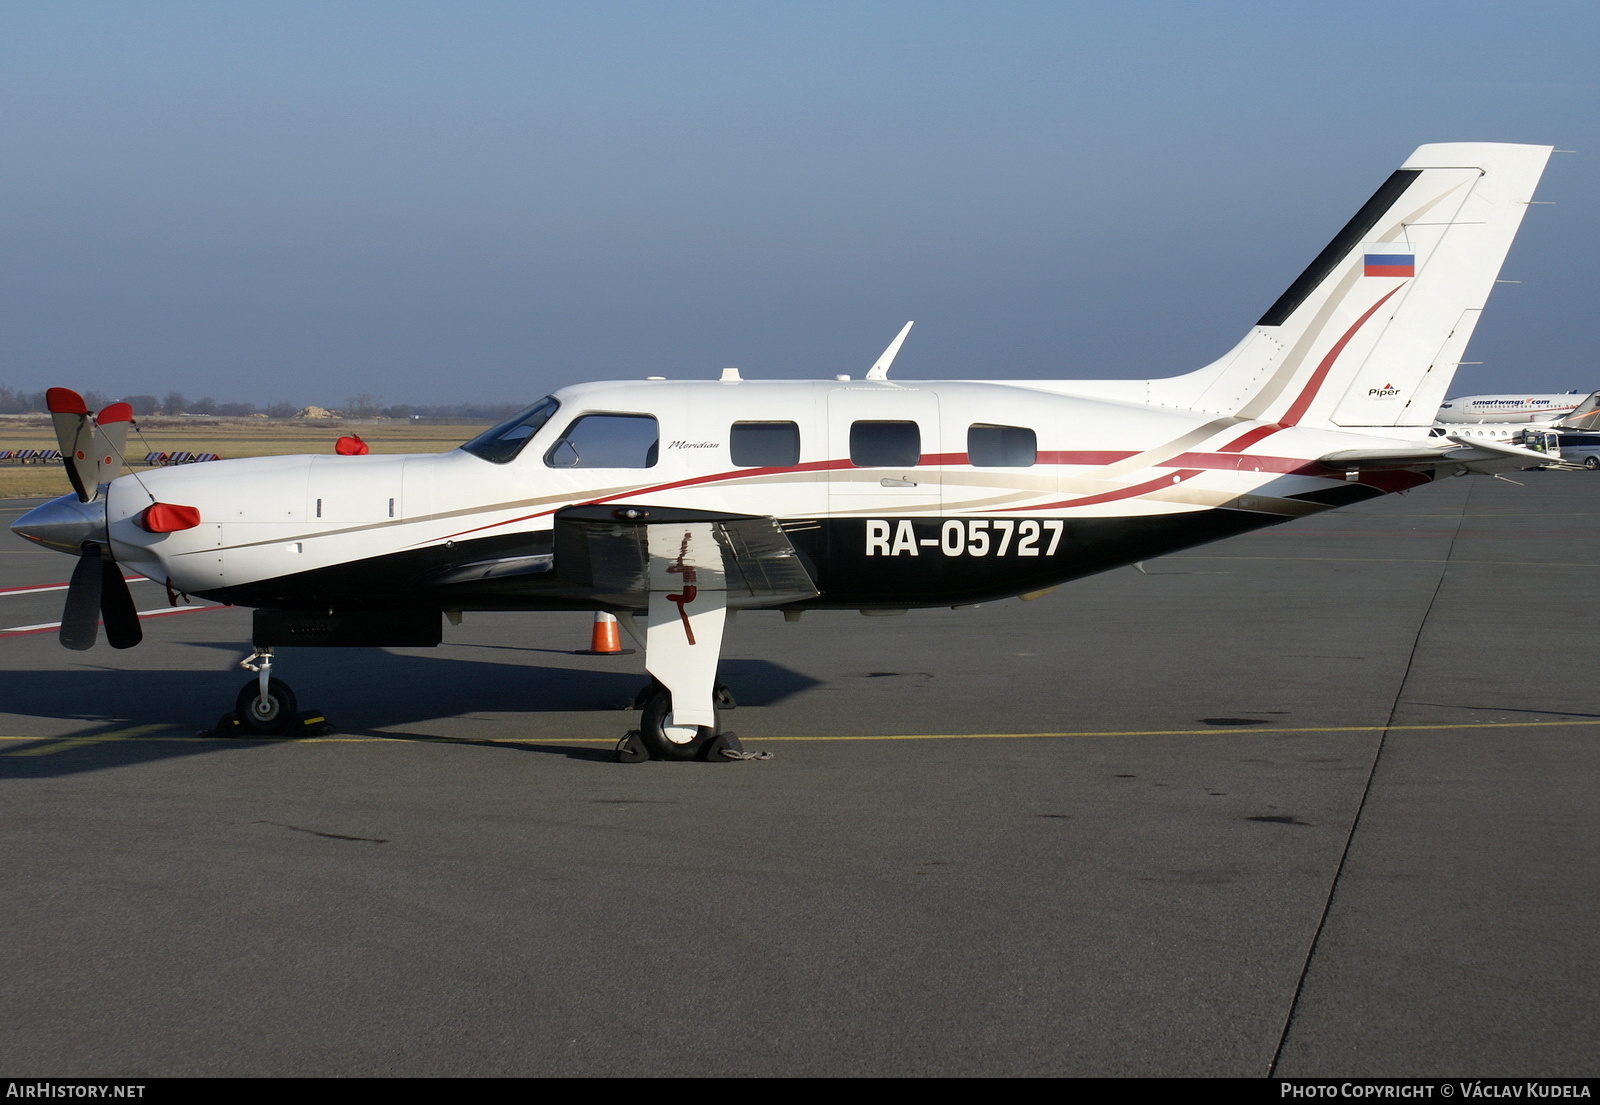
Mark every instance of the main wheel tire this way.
pixel 1592 463
pixel 273 716
pixel 667 741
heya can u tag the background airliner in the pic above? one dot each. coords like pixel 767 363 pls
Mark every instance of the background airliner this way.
pixel 1509 408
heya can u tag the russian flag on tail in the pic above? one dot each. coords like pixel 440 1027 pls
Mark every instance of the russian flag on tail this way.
pixel 1386 259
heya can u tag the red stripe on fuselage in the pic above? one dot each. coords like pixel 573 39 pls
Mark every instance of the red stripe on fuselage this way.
pixel 1121 493
pixel 741 473
pixel 1228 458
pixel 1249 462
pixel 1249 438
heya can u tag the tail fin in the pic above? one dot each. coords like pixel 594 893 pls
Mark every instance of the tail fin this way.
pixel 1585 416
pixel 1371 333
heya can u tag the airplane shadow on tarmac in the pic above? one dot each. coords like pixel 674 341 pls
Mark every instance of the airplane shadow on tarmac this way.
pixel 158 714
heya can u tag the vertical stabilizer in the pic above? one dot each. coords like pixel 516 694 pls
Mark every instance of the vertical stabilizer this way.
pixel 1371 332
pixel 1585 416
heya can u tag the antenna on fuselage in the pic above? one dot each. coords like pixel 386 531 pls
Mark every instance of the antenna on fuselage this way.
pixel 880 368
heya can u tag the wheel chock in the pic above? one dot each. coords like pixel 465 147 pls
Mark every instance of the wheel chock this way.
pixel 228 725
pixel 307 723
pixel 631 749
pixel 310 723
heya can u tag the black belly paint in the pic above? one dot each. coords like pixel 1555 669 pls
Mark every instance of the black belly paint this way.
pixel 855 562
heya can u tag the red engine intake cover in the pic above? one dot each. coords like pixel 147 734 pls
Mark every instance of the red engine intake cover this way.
pixel 168 518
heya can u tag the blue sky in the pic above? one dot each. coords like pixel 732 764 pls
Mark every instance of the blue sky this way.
pixel 438 202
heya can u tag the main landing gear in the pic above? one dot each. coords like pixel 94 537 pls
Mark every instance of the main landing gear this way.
pixel 267 707
pixel 683 641
pixel 660 737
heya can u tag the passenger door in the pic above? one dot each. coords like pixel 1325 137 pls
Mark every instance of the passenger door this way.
pixel 884 440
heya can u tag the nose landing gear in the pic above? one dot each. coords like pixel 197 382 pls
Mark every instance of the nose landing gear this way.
pixel 267 707
pixel 268 711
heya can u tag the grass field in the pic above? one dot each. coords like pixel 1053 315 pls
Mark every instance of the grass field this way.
pixel 231 438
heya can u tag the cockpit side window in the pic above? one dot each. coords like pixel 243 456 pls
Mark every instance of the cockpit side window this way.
pixel 607 441
pixel 503 442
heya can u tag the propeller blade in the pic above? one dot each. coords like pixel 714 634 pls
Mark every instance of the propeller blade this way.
pixel 116 607
pixel 75 438
pixel 80 621
pixel 111 440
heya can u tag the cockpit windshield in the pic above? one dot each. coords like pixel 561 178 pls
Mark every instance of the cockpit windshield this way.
pixel 503 442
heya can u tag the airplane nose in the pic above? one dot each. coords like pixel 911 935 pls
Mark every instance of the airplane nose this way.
pixel 63 524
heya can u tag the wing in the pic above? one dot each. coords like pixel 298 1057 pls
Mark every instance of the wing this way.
pixel 604 552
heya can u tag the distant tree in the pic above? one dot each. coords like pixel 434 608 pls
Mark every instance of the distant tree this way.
pixel 282 410
pixel 236 410
pixel 96 400
pixel 207 405
pixel 12 402
pixel 364 405
pixel 142 404
pixel 175 404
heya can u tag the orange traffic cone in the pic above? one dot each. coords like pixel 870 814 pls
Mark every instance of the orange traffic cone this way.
pixel 604 640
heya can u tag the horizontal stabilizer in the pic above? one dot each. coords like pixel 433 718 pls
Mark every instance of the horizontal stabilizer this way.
pixel 1506 449
pixel 1473 455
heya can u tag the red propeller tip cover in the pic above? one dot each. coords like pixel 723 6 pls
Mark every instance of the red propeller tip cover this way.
pixel 116 412
pixel 350 447
pixel 168 518
pixel 64 401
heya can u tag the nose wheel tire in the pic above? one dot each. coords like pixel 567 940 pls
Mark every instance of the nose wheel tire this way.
pixel 667 741
pixel 274 715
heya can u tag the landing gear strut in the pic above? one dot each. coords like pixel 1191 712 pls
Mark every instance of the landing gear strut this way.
pixel 683 640
pixel 265 704
pixel 267 707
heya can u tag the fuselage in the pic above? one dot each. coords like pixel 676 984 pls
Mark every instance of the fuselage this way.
pixel 895 494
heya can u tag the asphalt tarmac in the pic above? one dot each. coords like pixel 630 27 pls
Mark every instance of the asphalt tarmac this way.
pixel 1320 800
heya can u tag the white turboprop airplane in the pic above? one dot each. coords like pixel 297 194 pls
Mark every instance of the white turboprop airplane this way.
pixel 681 501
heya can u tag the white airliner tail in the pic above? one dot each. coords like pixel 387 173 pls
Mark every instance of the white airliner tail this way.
pixel 1585 416
pixel 1371 333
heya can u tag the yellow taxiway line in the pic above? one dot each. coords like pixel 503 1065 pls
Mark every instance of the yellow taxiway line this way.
pixel 142 734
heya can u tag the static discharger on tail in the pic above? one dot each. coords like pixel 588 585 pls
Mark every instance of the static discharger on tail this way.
pixel 682 502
